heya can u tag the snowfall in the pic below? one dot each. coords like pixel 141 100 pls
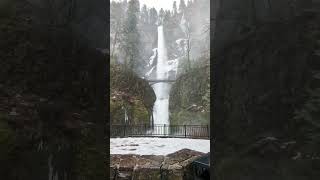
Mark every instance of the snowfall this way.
pixel 156 146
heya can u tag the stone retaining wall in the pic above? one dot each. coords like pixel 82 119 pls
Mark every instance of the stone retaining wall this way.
pixel 175 166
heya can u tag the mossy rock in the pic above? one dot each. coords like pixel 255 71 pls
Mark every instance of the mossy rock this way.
pixel 141 114
pixel 127 81
pixel 184 117
pixel 132 93
pixel 117 113
pixel 191 89
pixel 136 111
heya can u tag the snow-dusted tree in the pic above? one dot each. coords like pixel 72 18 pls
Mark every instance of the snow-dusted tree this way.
pixel 144 17
pixel 166 18
pixel 175 10
pixel 182 6
pixel 117 12
pixel 185 26
pixel 161 16
pixel 153 16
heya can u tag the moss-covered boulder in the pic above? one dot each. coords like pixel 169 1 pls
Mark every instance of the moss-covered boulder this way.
pixel 130 96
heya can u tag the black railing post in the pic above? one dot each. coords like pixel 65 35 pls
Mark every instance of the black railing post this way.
pixel 208 131
pixel 164 129
pixel 145 128
pixel 185 131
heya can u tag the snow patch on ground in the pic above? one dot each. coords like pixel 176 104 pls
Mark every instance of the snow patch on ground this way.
pixel 156 146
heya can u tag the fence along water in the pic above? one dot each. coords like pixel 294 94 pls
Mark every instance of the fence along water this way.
pixel 160 130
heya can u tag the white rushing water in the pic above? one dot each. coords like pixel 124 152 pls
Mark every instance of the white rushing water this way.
pixel 125 116
pixel 161 106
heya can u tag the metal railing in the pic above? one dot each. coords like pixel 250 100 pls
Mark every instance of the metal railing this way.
pixel 160 130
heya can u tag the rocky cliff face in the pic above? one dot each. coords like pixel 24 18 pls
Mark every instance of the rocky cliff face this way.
pixel 129 94
pixel 190 98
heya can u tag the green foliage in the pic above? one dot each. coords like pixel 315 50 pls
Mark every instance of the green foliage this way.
pixel 116 111
pixel 190 97
pixel 131 40
pixel 192 87
pixel 136 111
pixel 125 80
pixel 132 93
pixel 184 117
pixel 140 112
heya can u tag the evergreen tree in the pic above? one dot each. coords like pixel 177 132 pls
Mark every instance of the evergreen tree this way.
pixel 182 6
pixel 167 18
pixel 161 16
pixel 175 11
pixel 189 10
pixel 153 16
pixel 144 15
pixel 117 16
pixel 131 35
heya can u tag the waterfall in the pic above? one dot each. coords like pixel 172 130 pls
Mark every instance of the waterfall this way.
pixel 125 116
pixel 162 89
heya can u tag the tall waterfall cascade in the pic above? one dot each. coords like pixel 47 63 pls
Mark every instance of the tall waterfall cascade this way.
pixel 162 89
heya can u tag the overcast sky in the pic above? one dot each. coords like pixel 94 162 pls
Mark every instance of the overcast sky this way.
pixel 158 4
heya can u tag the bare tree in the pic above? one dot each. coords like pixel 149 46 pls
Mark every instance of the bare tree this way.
pixel 115 38
pixel 188 33
pixel 185 25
